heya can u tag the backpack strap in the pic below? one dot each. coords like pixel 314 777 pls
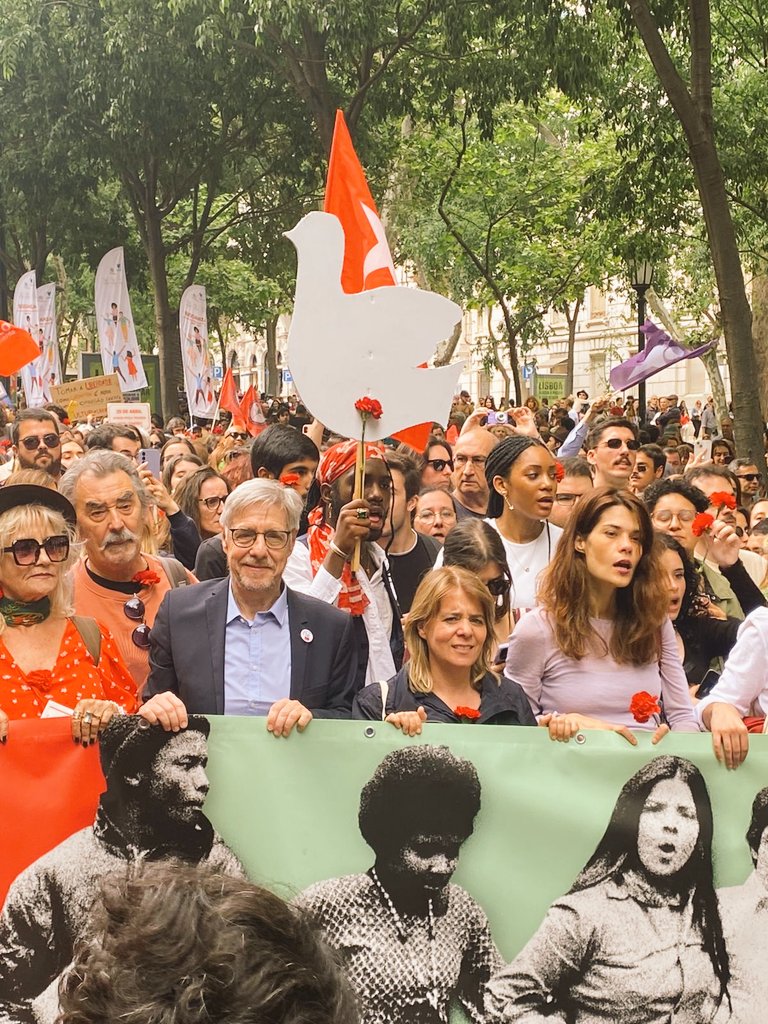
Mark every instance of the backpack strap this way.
pixel 175 571
pixel 90 634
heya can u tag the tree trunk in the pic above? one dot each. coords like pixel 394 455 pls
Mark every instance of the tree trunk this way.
pixel 273 377
pixel 694 111
pixel 760 335
pixel 712 367
pixel 446 349
pixel 572 319
pixel 166 331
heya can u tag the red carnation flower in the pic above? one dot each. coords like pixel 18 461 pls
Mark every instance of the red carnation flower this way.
pixel 701 523
pixel 559 471
pixel 643 705
pixel 471 714
pixel 146 578
pixel 722 499
pixel 369 407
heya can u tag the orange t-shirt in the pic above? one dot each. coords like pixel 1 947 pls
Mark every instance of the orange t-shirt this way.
pixel 73 678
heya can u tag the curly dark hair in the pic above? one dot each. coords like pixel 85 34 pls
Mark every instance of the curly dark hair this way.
pixel 418 790
pixel 175 944
pixel 654 492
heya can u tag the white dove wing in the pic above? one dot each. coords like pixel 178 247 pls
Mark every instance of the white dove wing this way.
pixel 342 347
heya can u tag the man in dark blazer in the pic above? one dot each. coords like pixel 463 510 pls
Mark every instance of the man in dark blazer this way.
pixel 246 644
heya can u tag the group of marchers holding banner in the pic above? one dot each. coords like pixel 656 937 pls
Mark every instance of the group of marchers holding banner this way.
pixel 321 590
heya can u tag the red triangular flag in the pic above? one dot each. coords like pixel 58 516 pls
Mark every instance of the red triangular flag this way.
pixel 250 410
pixel 228 397
pixel 17 348
pixel 367 259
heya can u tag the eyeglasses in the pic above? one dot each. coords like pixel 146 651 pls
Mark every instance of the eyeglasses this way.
pixel 274 539
pixel 752 477
pixel 619 442
pixel 215 502
pixel 47 441
pixel 665 516
pixel 566 499
pixel 27 551
pixel 499 585
pixel 238 436
pixel 135 611
pixel 462 460
pixel 428 516
pixel 439 464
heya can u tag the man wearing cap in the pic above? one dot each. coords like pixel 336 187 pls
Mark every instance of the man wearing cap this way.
pixel 247 644
pixel 152 809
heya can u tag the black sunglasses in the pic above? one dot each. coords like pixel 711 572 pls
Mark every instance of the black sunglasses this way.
pixel 750 476
pixel 617 442
pixel 47 440
pixel 238 436
pixel 499 585
pixel 134 610
pixel 27 551
pixel 439 464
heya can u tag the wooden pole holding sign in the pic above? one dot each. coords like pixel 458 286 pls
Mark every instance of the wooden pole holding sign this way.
pixel 359 492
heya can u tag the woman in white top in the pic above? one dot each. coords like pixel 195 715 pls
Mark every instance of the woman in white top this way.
pixel 522 479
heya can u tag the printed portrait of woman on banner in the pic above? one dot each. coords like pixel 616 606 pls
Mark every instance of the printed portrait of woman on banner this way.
pixel 638 938
pixel 412 943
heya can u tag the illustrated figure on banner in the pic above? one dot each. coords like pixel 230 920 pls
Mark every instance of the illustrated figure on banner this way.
pixel 638 938
pixel 745 922
pixel 152 809
pixel 119 345
pixel 200 364
pixel 411 941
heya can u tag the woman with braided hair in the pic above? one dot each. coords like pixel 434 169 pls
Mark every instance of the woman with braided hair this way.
pixel 522 479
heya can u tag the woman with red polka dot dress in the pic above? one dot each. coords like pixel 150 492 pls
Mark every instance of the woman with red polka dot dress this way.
pixel 51 664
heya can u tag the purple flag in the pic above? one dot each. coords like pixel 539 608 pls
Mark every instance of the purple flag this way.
pixel 660 352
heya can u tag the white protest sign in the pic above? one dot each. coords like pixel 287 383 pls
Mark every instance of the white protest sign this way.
pixel 345 347
pixel 130 414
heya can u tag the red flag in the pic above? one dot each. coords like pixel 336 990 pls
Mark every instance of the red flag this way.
pixel 17 348
pixel 367 259
pixel 228 397
pixel 250 410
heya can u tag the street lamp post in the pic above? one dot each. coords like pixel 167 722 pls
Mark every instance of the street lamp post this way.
pixel 642 279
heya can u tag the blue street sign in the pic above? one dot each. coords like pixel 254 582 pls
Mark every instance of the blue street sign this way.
pixel 218 373
pixel 287 377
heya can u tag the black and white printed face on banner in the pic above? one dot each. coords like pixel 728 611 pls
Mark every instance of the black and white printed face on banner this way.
pixel 151 809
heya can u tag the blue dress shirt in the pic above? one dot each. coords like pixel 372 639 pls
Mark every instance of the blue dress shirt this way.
pixel 257 658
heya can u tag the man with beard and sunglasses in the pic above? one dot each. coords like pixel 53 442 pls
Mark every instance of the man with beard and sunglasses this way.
pixel 36 444
pixel 116 582
pixel 611 451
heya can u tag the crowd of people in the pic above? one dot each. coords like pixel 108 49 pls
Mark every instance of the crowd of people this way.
pixel 571 568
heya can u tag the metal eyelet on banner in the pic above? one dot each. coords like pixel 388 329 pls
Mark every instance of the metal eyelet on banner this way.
pixel 580 737
pixel 369 732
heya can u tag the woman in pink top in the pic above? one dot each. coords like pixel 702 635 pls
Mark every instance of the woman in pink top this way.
pixel 601 633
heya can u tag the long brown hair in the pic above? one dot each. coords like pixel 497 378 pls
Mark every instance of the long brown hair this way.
pixel 641 607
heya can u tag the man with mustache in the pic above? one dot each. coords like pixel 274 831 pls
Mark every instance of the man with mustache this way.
pixel 116 583
pixel 248 644
pixel 611 451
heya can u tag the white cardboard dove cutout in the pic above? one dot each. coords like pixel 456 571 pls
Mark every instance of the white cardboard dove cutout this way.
pixel 344 347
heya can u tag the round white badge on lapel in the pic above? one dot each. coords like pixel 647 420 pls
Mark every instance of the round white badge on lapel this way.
pixel 307 636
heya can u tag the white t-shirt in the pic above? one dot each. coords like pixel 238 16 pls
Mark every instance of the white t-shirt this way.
pixel 527 561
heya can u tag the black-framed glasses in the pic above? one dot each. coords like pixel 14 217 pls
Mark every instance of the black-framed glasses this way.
pixel 439 464
pixel 134 610
pixel 47 440
pixel 274 539
pixel 215 502
pixel 499 585
pixel 566 499
pixel 238 435
pixel 27 551
pixel 752 477
pixel 619 442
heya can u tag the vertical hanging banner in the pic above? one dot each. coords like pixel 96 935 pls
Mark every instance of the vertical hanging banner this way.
pixel 117 335
pixel 198 372
pixel 51 358
pixel 26 314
